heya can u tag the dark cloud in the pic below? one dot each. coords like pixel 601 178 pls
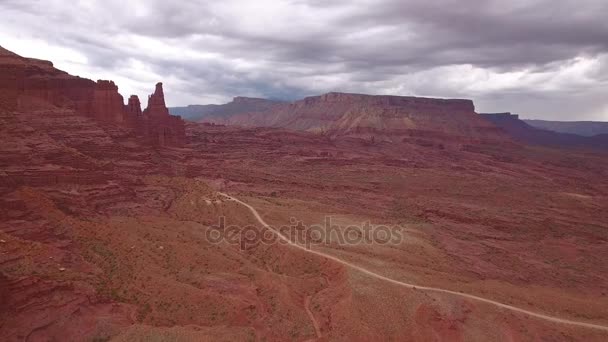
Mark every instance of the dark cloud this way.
pixel 543 58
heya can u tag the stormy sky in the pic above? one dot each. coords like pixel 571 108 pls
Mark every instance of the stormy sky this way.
pixel 540 58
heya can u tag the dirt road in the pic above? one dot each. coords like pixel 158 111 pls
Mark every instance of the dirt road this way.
pixel 417 287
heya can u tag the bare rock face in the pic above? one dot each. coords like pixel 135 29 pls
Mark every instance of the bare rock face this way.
pixel 378 118
pixel 156 103
pixel 108 104
pixel 134 106
pixel 163 128
pixel 351 111
pixel 134 117
pixel 28 84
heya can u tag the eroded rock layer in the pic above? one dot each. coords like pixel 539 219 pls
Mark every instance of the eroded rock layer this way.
pixel 105 237
pixel 163 128
pixel 31 84
pixel 371 117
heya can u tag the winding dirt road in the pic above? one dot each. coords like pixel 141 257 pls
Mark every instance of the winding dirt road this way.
pixel 413 286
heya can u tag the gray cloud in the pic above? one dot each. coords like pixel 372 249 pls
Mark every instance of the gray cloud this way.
pixel 542 58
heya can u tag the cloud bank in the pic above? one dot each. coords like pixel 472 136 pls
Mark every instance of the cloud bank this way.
pixel 540 58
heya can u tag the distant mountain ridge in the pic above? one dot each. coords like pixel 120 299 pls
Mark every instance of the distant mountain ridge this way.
pixel 426 121
pixel 383 117
pixel 584 128
pixel 238 105
pixel 523 132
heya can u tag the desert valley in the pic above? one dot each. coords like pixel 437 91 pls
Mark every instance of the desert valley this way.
pixel 107 208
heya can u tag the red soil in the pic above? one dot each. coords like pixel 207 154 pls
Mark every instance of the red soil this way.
pixel 103 234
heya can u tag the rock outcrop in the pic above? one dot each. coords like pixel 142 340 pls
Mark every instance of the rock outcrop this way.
pixel 156 103
pixel 28 83
pixel 108 103
pixel 31 84
pixel 163 128
pixel 377 118
pixel 134 107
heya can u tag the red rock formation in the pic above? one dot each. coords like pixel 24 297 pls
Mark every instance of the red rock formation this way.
pixel 134 107
pixel 163 129
pixel 156 103
pixel 108 104
pixel 383 118
pixel 29 84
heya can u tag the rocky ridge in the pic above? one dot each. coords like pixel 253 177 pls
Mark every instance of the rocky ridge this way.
pixel 584 128
pixel 376 118
pixel 239 106
pixel 31 84
pixel 523 132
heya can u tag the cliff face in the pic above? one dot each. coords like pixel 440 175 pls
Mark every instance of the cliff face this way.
pixel 108 103
pixel 387 118
pixel 134 106
pixel 29 84
pixel 156 103
pixel 163 128
pixel 341 112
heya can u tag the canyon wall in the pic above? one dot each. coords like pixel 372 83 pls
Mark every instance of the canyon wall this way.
pixel 108 104
pixel 30 84
pixel 375 117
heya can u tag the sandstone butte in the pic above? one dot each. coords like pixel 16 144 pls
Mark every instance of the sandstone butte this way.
pixel 29 83
pixel 393 119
